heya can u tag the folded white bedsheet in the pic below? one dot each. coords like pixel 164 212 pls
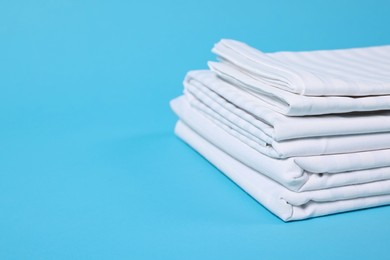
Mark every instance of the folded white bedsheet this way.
pixel 279 127
pixel 296 173
pixel 349 72
pixel 286 204
pixel 291 104
pixel 242 127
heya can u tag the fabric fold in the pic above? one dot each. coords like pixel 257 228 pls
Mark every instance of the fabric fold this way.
pixel 286 204
pixel 305 133
pixel 292 104
pixel 296 173
pixel 248 129
pixel 229 100
pixel 349 72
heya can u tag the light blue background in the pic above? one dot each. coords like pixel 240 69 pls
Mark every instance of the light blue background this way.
pixel 89 165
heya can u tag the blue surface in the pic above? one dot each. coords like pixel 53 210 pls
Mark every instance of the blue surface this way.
pixel 89 165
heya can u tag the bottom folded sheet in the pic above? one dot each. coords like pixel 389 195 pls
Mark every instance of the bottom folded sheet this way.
pixel 287 204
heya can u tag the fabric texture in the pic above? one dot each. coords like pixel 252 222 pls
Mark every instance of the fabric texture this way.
pixel 296 173
pixel 280 127
pixel 305 133
pixel 282 202
pixel 291 104
pixel 252 130
pixel 350 72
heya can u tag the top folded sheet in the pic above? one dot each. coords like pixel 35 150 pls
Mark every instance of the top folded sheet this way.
pixel 349 72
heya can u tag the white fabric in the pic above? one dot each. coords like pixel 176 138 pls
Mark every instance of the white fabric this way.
pixel 298 173
pixel 276 126
pixel 244 129
pixel 253 137
pixel 280 126
pixel 286 204
pixel 291 104
pixel 350 72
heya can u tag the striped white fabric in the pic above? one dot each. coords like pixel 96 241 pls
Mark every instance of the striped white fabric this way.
pixel 350 72
pixel 286 204
pixel 276 126
pixel 250 134
pixel 291 104
pixel 305 133
pixel 295 173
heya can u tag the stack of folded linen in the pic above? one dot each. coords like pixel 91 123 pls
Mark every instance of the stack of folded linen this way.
pixel 305 133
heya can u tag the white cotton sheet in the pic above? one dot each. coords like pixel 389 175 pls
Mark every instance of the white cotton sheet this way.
pixel 244 126
pixel 291 104
pixel 349 72
pixel 286 204
pixel 276 126
pixel 296 173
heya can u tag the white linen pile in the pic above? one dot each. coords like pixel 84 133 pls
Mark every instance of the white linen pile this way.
pixel 304 133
